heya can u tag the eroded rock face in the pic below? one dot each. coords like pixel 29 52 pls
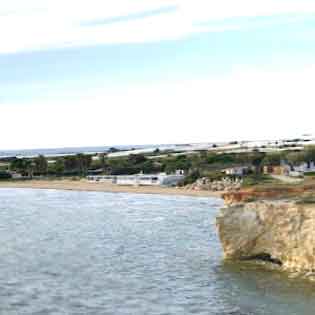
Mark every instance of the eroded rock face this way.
pixel 280 232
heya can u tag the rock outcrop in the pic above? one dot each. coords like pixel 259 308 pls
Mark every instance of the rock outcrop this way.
pixel 225 184
pixel 280 232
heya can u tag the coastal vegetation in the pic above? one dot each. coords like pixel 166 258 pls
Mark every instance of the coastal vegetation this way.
pixel 201 164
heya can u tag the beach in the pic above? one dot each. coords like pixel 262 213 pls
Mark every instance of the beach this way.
pixel 84 185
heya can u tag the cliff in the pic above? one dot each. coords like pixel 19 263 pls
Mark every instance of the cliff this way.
pixel 281 232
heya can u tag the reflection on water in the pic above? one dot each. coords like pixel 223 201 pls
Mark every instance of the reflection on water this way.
pixel 267 291
pixel 98 253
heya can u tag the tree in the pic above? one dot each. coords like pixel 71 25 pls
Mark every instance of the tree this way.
pixel 180 162
pixel 137 158
pixel 296 158
pixel 18 165
pixel 203 155
pixel 59 166
pixel 41 165
pixel 256 159
pixel 192 177
pixel 5 175
pixel 83 163
pixel 102 159
pixel 29 167
pixel 23 166
pixel 273 159
pixel 77 164
pixel 310 153
pixel 70 164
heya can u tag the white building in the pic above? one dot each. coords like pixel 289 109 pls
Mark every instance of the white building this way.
pixel 236 171
pixel 302 169
pixel 16 175
pixel 102 178
pixel 305 167
pixel 161 179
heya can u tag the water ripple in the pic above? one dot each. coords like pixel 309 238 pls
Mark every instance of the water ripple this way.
pixel 115 254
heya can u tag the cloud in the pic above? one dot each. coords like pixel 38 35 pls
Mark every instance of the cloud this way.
pixel 251 103
pixel 224 9
pixel 50 24
pixel 132 16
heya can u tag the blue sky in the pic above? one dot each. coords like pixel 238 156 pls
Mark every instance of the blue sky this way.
pixel 186 67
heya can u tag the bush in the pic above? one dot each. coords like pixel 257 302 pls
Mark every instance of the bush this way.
pixel 191 178
pixel 223 159
pixel 5 175
pixel 309 174
pixel 216 175
pixel 308 199
pixel 256 179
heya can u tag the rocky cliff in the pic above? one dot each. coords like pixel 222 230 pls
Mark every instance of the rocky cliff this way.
pixel 279 232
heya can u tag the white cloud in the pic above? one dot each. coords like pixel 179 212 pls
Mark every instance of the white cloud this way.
pixel 224 9
pixel 44 24
pixel 247 104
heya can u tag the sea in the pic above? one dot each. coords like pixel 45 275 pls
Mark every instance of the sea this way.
pixel 54 152
pixel 67 252
pixel 67 151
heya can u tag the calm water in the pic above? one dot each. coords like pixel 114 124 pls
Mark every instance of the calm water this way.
pixel 99 253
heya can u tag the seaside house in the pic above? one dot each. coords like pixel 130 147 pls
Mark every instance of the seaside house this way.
pixel 290 170
pixel 303 168
pixel 160 179
pixel 110 179
pixel 16 175
pixel 276 170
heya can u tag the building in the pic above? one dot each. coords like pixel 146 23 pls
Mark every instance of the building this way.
pixel 237 171
pixel 276 169
pixel 161 179
pixel 15 175
pixel 301 169
pixel 305 167
pixel 290 170
pixel 102 178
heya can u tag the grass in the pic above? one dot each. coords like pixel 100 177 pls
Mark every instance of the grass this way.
pixel 264 187
pixel 306 199
pixel 257 180
pixel 310 174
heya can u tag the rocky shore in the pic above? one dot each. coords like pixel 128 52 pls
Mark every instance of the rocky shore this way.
pixel 276 232
pixel 223 185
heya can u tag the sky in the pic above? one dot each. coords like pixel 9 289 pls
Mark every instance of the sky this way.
pixel 127 72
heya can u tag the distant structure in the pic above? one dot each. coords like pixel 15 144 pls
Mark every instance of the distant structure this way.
pixel 237 171
pixel 290 170
pixel 160 179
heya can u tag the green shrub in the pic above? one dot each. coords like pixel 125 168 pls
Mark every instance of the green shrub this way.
pixel 309 174
pixel 216 175
pixel 308 199
pixel 191 178
pixel 256 179
pixel 5 175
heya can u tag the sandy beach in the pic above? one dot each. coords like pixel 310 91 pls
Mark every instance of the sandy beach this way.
pixel 84 185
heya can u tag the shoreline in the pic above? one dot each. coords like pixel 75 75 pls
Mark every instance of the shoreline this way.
pixel 84 185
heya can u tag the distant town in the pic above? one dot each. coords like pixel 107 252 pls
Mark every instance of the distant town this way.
pixel 206 166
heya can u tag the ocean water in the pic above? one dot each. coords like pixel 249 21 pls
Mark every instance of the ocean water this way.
pixel 62 151
pixel 101 253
